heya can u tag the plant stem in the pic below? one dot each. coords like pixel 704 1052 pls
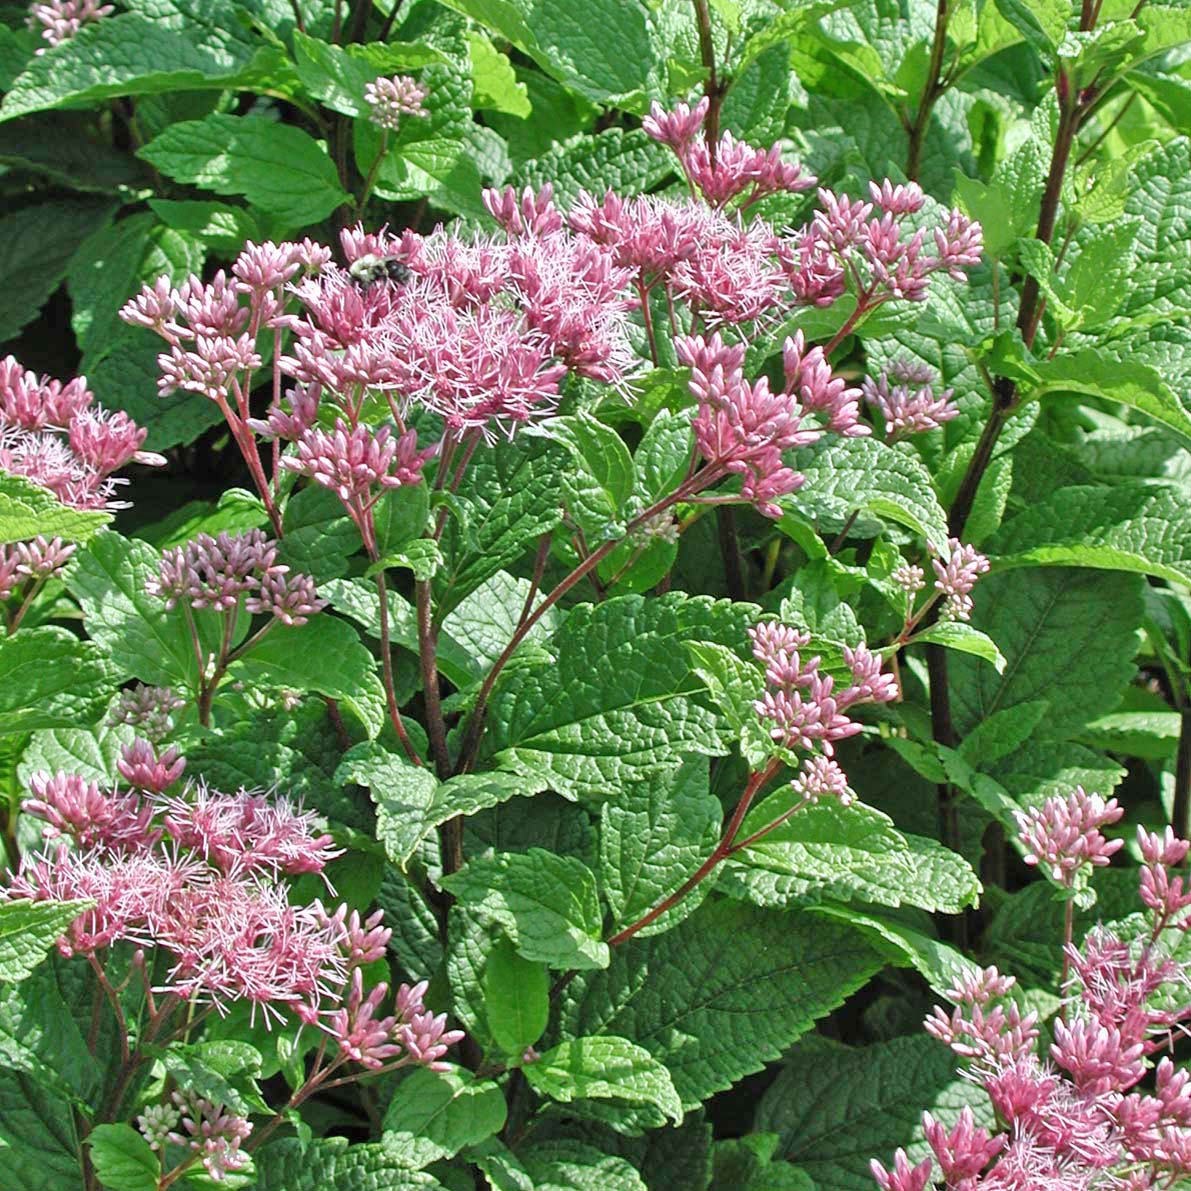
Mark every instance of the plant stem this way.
pixel 1180 811
pixel 386 661
pixel 930 95
pixel 713 87
pixel 729 536
pixel 436 727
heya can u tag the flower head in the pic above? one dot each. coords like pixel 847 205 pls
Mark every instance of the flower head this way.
pixel 390 100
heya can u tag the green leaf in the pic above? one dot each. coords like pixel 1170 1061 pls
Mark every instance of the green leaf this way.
pixel 60 148
pixel 566 1165
pixel 422 557
pixel 26 510
pixel 36 246
pixel 223 1071
pixel 277 167
pixel 613 65
pixel 1043 23
pixel 1095 374
pixel 133 54
pixel 144 640
pixel 319 536
pixel 601 479
pixel 38 1135
pixel 954 634
pixel 337 75
pixel 547 905
pixel 90 752
pixel 628 162
pixel 844 475
pixel 217 225
pixel 122 1158
pixel 836 1107
pixel 330 1162
pixel 1068 637
pixel 721 994
pixel 51 679
pixel 616 704
pixel 512 495
pixel 1002 733
pixel 604 1068
pixel 28 930
pixel 435 1114
pixel 494 81
pixel 516 998
pixel 411 802
pixel 845 854
pixel 1139 527
pixel 653 836
pixel 747 1164
pixel 323 655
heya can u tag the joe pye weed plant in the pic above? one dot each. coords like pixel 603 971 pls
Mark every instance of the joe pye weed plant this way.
pixel 568 578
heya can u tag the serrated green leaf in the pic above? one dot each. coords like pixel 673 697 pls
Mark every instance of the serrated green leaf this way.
pixel 223 1071
pixel 653 836
pixel 277 167
pixel 1139 527
pixel 494 82
pixel 122 1158
pixel 423 557
pixel 566 1165
pixel 616 703
pixel 28 930
pixel 435 1114
pixel 600 478
pixel 50 679
pixel 1068 637
pixel 337 75
pixel 954 634
pixel 1038 770
pixel 836 1107
pixel 289 1165
pixel 1002 733
pixel 516 998
pixel 845 854
pixel 721 994
pixel 547 904
pixel 90 752
pixel 129 54
pixel 628 162
pixel 411 802
pixel 323 655
pixel 217 225
pixel 27 510
pixel 604 1068
pixel 844 475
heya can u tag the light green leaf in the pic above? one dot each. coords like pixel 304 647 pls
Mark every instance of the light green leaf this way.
pixel 616 704
pixel 122 1158
pixel 494 81
pixel 90 752
pixel 566 1165
pixel 628 162
pixel 330 1162
pixel 26 510
pixel 954 634
pixel 721 994
pixel 516 998
pixel 1002 733
pixel 1138 526
pixel 604 1068
pixel 217 225
pixel 601 478
pixel 337 75
pixel 277 167
pixel 28 930
pixel 435 1114
pixel 547 904
pixel 51 679
pixel 844 475
pixel 223 1071
pixel 845 854
pixel 836 1107
pixel 421 556
pixel 653 836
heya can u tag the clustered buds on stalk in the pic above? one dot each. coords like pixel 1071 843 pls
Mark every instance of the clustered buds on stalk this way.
pixel 148 709
pixel 219 572
pixel 32 562
pixel 391 99
pixel 60 20
pixel 908 405
pixel 957 575
pixel 1072 1118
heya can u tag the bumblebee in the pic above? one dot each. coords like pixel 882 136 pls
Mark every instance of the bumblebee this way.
pixel 368 269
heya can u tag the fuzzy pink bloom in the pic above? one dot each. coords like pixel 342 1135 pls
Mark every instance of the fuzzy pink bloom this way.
pixel 903 199
pixel 267 266
pixel 142 767
pixel 676 129
pixel 809 378
pixel 360 1035
pixel 245 832
pixel 291 423
pixel 980 1027
pixel 390 100
pixel 60 20
pixel 956 576
pixel 362 941
pixel 1097 1057
pixel 1064 833
pixel 75 807
pixel 352 463
pixel 909 405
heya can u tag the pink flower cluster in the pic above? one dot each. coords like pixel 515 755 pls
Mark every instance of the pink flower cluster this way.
pixel 742 428
pixel 1063 834
pixel 801 707
pixel 1073 1118
pixel 60 20
pixel 391 99
pixel 200 876
pixel 956 576
pixel 219 572
pixel 54 434
pixel 31 563
pixel 148 709
pixel 908 405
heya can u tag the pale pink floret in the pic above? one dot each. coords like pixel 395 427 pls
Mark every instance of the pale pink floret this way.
pixel 60 20
pixel 212 1131
pixel 142 767
pixel 908 405
pixel 392 99
pixel 532 213
pixel 93 818
pixel 956 577
pixel 903 1176
pixel 965 1150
